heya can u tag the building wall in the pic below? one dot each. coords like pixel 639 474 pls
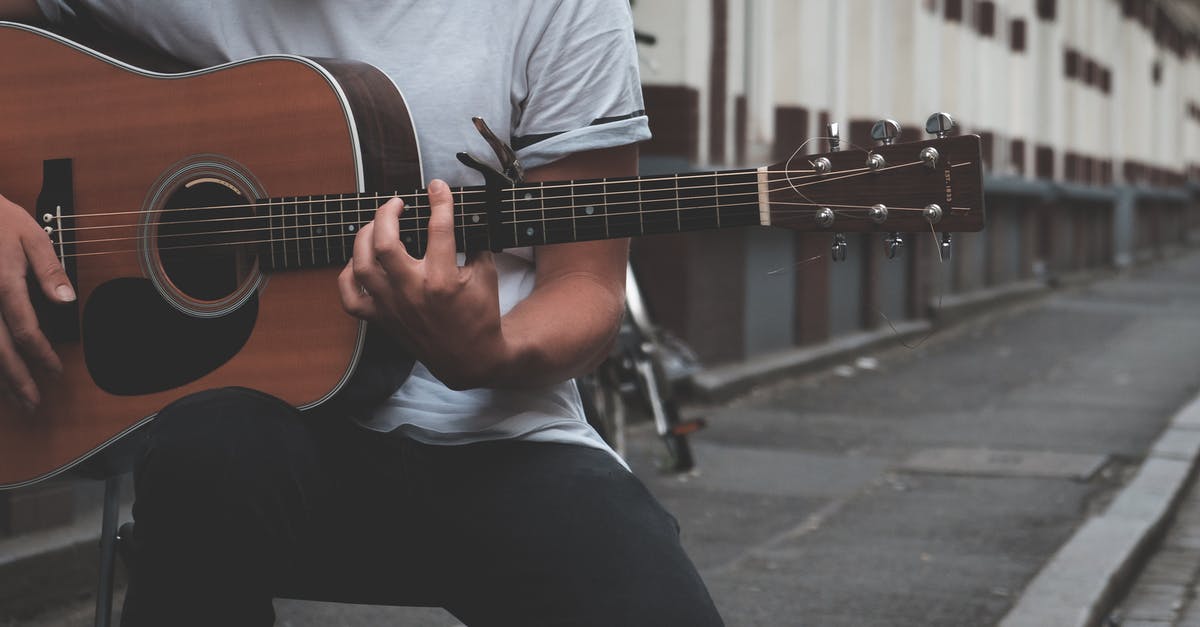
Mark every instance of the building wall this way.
pixel 1077 102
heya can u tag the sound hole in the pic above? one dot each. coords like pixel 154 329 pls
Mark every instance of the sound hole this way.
pixel 204 240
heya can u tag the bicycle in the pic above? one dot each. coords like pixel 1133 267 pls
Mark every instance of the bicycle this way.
pixel 642 367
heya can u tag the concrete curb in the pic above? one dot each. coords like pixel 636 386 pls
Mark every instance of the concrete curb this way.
pixel 723 382
pixel 1082 582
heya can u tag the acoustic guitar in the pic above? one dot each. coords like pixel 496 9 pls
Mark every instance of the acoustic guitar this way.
pixel 203 218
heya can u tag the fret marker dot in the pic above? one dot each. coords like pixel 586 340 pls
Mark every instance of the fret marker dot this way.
pixel 528 196
pixel 320 231
pixel 589 210
pixel 351 228
pixel 408 239
pixel 475 218
pixel 529 231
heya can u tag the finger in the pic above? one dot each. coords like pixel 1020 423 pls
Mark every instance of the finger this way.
pixel 22 325
pixel 440 251
pixel 355 300
pixel 482 262
pixel 364 263
pixel 386 234
pixel 48 269
pixel 16 374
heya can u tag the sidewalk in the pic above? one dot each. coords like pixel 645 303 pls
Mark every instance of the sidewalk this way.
pixel 915 487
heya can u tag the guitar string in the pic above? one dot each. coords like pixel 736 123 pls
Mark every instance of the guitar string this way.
pixel 327 239
pixel 937 309
pixel 325 224
pixel 462 191
pixel 465 191
pixel 417 207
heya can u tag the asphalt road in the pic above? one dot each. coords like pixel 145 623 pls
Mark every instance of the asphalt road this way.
pixel 809 509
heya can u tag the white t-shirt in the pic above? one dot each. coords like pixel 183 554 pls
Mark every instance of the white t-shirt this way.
pixel 551 77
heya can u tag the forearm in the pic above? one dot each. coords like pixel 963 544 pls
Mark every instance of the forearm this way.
pixel 566 326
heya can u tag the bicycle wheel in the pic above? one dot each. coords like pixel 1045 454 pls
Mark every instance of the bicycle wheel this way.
pixel 604 407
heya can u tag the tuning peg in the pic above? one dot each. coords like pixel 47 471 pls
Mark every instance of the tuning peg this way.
pixel 824 217
pixel 833 133
pixel 894 242
pixel 885 132
pixel 946 249
pixel 939 124
pixel 932 213
pixel 838 251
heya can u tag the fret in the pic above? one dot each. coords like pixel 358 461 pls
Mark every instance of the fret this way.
pixel 739 198
pixel 356 221
pixel 275 234
pixel 623 212
pixel 527 216
pixel 604 204
pixel 558 224
pixel 323 230
pixel 588 208
pixel 460 220
pixel 419 210
pixel 291 228
pixel 512 215
pixel 641 208
pixel 304 219
pixel 475 233
pixel 337 228
pixel 542 202
pixel 697 206
pixel 477 236
pixel 660 204
pixel 410 228
pixel 717 199
pixel 675 185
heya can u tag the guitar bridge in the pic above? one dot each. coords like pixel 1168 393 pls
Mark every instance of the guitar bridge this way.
pixel 55 207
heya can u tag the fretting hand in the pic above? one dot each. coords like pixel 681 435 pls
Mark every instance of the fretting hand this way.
pixel 447 316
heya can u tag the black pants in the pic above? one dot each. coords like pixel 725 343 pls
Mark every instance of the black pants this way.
pixel 241 498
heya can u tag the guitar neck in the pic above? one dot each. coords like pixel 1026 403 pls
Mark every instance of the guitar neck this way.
pixel 311 231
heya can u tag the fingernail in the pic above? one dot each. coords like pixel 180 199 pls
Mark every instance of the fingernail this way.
pixel 65 293
pixel 438 185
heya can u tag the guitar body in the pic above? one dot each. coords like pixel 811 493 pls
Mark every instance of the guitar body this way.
pixel 147 329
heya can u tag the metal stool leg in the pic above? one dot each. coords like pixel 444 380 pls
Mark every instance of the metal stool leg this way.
pixel 108 551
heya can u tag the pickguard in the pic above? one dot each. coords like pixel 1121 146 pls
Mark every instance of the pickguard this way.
pixel 135 343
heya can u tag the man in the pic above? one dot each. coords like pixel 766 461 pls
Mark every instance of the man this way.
pixel 477 486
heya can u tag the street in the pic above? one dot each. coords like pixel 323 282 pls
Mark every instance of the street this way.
pixel 920 486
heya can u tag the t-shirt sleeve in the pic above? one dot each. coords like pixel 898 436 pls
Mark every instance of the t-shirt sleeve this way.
pixel 57 11
pixel 582 89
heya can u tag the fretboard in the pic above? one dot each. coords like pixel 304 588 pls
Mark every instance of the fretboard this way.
pixel 314 231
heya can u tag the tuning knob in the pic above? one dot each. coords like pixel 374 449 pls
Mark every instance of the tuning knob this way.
pixel 939 124
pixel 893 243
pixel 833 133
pixel 932 213
pixel 824 217
pixel 886 132
pixel 840 245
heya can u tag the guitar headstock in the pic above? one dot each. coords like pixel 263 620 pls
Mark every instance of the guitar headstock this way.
pixel 936 184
